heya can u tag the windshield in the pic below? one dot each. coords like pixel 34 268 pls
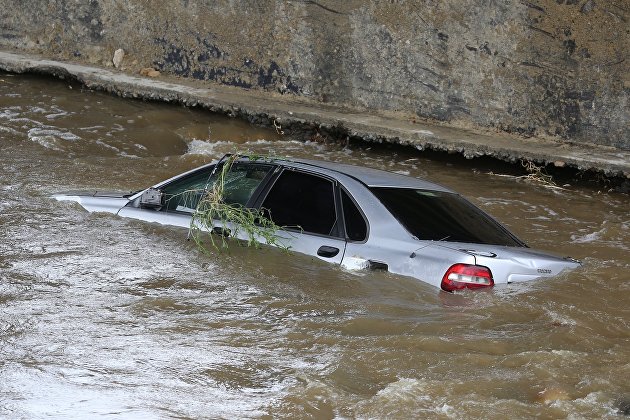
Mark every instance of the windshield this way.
pixel 442 216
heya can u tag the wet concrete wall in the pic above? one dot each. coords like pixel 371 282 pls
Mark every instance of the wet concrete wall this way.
pixel 555 68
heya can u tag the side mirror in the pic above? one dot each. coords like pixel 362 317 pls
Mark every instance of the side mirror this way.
pixel 151 199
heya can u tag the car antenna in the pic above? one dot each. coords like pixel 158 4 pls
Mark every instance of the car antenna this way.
pixel 413 254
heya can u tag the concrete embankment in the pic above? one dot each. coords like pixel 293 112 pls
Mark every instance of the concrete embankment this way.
pixel 301 115
pixel 536 68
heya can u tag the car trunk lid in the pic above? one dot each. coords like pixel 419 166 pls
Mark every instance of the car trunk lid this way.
pixel 515 264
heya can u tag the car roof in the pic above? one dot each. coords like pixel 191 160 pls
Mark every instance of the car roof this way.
pixel 369 176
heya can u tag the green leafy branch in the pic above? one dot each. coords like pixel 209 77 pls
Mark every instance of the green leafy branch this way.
pixel 214 215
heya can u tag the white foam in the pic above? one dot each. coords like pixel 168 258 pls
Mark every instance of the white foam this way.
pixel 37 110
pixel 47 131
pixel 9 113
pixel 48 142
pixel 107 146
pixel 220 147
pixel 589 237
pixel 355 263
pixel 127 155
pixel 92 129
pixel 560 319
pixel 414 394
pixel 200 147
pixel 10 131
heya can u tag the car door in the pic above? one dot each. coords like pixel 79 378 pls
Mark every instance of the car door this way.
pixel 172 202
pixel 304 204
pixel 178 199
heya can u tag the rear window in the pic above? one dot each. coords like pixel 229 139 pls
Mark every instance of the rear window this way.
pixel 303 201
pixel 442 216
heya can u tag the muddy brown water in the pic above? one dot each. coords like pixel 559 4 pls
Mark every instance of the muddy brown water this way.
pixel 103 316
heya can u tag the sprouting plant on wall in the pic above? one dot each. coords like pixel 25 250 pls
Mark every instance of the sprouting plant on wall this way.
pixel 214 215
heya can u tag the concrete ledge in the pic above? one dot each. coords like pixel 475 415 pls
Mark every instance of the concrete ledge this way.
pixel 264 108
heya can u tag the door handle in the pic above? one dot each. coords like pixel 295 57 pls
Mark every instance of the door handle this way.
pixel 327 251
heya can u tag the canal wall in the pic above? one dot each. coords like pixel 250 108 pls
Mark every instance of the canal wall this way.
pixel 555 69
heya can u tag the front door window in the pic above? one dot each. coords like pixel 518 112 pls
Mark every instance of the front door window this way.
pixel 240 182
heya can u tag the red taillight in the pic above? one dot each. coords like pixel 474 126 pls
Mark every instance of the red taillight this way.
pixel 465 276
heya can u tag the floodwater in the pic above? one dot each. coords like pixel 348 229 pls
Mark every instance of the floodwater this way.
pixel 108 317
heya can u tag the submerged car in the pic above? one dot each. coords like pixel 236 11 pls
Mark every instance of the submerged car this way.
pixel 353 216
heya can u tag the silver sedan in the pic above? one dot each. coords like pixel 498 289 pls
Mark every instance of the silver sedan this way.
pixel 358 217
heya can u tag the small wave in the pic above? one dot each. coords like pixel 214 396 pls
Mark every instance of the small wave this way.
pixel 543 218
pixel 559 319
pixel 53 113
pixel 92 129
pixel 9 113
pixel 10 131
pixel 49 142
pixel 492 201
pixel 285 148
pixel 107 146
pixel 589 237
pixel 405 395
pixel 127 155
pixel 51 138
pixel 595 405
pixel 26 122
pixel 49 132
pixel 200 147
pixel 114 130
pixel 37 110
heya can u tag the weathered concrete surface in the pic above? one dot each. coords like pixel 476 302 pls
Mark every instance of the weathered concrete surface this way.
pixel 300 114
pixel 537 68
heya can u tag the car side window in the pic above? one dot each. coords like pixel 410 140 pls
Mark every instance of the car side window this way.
pixel 302 201
pixel 242 180
pixel 356 227
pixel 239 184
pixel 183 194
